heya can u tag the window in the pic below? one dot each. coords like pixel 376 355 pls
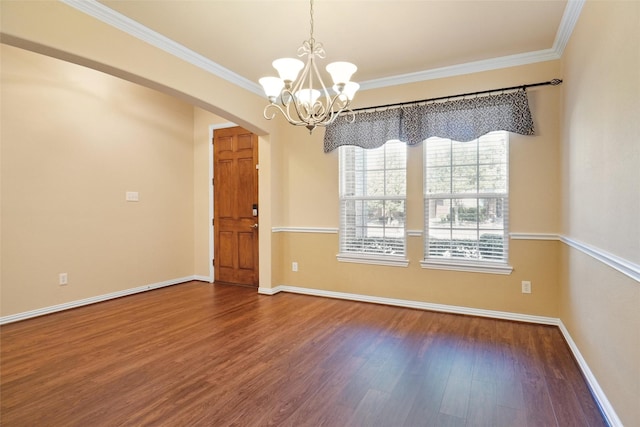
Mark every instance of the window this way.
pixel 372 203
pixel 466 203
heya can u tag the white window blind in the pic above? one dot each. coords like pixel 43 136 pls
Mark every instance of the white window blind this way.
pixel 466 199
pixel 373 199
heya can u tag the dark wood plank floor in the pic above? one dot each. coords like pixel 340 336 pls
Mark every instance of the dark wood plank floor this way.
pixel 198 354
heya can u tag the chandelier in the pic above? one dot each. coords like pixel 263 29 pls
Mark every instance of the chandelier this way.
pixel 297 99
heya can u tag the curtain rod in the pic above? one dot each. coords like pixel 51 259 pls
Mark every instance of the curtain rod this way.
pixel 553 82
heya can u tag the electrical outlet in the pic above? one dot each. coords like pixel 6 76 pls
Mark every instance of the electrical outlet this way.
pixel 132 196
pixel 63 279
pixel 526 287
pixel 294 266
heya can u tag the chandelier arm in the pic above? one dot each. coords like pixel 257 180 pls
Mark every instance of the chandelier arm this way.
pixel 342 105
pixel 349 115
pixel 286 115
pixel 300 85
pixel 301 92
pixel 327 98
pixel 303 119
pixel 272 116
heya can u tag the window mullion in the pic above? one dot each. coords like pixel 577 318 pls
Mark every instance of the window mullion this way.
pixel 478 193
pixel 365 228
pixel 470 223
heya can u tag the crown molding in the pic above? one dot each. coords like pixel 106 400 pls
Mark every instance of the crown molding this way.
pixel 135 29
pixel 468 68
pixel 139 31
pixel 567 24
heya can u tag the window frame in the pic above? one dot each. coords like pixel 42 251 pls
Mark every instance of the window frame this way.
pixel 399 260
pixel 471 264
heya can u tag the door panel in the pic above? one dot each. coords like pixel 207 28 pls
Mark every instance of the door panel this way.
pixel 245 260
pixel 235 194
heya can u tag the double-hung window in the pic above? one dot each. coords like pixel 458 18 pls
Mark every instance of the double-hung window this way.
pixel 373 204
pixel 466 203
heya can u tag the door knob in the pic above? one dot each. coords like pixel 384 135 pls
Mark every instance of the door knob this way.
pixel 255 225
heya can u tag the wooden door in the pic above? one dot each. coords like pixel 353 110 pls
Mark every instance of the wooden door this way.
pixel 235 183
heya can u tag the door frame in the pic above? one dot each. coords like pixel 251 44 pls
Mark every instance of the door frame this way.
pixel 212 129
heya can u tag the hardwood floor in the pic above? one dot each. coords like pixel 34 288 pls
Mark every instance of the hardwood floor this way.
pixel 198 354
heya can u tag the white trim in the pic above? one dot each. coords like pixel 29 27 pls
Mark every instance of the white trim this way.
pixel 624 266
pixel 388 260
pixel 461 69
pixel 414 304
pixel 135 29
pixel 92 300
pixel 268 291
pixel 212 129
pixel 600 397
pixel 467 266
pixel 533 236
pixel 567 24
pixel 139 31
pixel 596 390
pixel 320 230
pixel 203 279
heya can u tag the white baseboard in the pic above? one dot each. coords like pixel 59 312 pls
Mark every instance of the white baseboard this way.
pixel 207 279
pixel 92 300
pixel 268 291
pixel 598 393
pixel 413 304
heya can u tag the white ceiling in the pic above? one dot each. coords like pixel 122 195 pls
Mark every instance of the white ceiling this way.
pixel 391 41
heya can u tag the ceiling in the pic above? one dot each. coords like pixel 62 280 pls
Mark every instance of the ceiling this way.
pixel 391 41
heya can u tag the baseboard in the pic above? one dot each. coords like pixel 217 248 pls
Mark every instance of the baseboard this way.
pixel 92 300
pixel 598 393
pixel 269 291
pixel 601 399
pixel 413 304
pixel 207 279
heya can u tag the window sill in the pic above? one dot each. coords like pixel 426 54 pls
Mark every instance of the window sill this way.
pixel 389 260
pixel 468 266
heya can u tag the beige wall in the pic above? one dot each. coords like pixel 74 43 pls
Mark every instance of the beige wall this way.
pixel 59 31
pixel 601 196
pixel 66 130
pixel 74 141
pixel 310 182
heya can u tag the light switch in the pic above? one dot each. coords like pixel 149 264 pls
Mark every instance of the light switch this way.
pixel 131 196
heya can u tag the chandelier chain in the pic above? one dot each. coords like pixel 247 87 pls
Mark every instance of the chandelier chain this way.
pixel 311 22
pixel 294 95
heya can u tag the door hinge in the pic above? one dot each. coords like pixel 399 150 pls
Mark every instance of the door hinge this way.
pixel 213 262
pixel 213 221
pixel 212 181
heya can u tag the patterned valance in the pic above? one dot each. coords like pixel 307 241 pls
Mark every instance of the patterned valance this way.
pixel 369 130
pixel 460 120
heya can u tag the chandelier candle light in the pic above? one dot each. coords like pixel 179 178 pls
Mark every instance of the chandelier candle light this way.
pixel 299 102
